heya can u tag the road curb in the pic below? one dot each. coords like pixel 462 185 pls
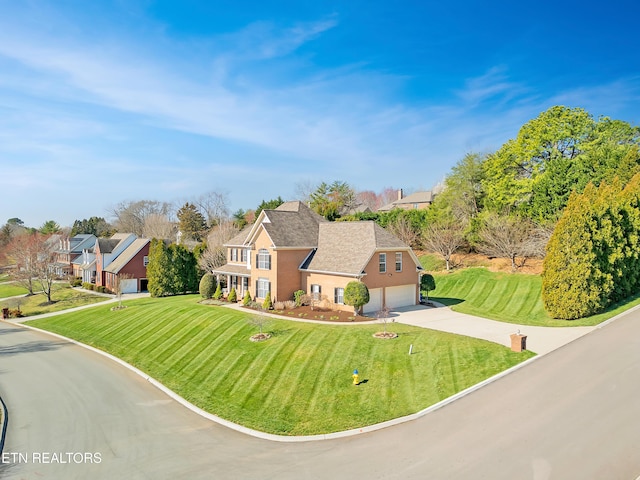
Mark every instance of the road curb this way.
pixel 285 438
pixel 5 420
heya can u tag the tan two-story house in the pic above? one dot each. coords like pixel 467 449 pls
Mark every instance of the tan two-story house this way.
pixel 293 248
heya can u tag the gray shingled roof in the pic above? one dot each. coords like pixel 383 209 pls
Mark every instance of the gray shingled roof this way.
pixel 126 255
pixel 346 247
pixel 107 244
pixel 239 239
pixel 292 224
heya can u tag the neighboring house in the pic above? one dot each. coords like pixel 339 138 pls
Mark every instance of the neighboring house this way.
pixel 88 265
pixel 415 201
pixel 68 251
pixel 106 250
pixel 292 248
pixel 360 208
pixel 129 268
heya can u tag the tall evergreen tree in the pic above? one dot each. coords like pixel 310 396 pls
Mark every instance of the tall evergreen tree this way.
pixel 158 269
pixel 192 223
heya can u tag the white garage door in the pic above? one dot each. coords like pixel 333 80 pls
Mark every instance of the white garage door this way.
pixel 130 285
pixel 401 296
pixel 375 301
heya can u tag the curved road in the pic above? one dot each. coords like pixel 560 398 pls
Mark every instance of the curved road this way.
pixel 574 413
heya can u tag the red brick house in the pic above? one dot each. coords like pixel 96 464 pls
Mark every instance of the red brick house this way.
pixel 292 248
pixel 129 268
pixel 106 250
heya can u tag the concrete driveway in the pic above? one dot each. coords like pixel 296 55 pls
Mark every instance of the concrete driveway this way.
pixel 540 340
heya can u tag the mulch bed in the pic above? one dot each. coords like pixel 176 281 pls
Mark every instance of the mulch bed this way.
pixel 306 313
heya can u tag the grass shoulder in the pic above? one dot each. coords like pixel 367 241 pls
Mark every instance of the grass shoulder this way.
pixel 12 290
pixel 508 297
pixel 63 298
pixel 298 382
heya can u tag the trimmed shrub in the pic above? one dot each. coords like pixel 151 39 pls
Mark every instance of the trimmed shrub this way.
pixel 101 289
pixel 298 296
pixel 217 295
pixel 233 297
pixel 267 302
pixel 208 285
pixel 88 286
pixel 427 283
pixel 356 294
pixel 246 300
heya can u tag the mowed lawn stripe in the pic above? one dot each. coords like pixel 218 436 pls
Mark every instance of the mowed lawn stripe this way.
pixel 297 364
pixel 254 385
pixel 296 383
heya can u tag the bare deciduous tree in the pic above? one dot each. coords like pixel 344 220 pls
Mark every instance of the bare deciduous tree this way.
pixel 444 238
pixel 159 226
pixel 34 255
pixel 215 254
pixel 120 281
pixel 22 252
pixel 512 237
pixel 401 227
pixel 214 206
pixel 130 216
pixel 383 315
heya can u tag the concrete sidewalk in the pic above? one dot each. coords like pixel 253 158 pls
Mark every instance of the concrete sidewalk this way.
pixel 540 340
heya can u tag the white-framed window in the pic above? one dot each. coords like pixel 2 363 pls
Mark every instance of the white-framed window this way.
pixel 245 284
pixel 315 291
pixel 145 260
pixel 264 259
pixel 398 261
pixel 382 262
pixel 263 286
pixel 244 254
pixel 338 296
pixel 234 254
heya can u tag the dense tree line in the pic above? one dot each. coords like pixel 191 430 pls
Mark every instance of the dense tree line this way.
pixel 172 269
pixel 593 257
pixel 506 203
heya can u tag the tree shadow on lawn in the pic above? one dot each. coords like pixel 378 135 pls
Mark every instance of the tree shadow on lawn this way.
pixel 447 301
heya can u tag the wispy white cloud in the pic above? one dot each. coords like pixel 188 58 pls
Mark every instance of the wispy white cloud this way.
pixel 85 99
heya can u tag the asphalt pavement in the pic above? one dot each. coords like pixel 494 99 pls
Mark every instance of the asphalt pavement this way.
pixel 572 413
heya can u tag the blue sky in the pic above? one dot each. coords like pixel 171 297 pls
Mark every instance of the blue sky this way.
pixel 102 102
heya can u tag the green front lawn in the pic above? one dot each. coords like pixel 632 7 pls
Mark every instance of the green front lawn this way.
pixel 507 297
pixel 11 290
pixel 63 298
pixel 299 381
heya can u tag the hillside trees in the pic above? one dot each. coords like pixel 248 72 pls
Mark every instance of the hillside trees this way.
pixel 512 237
pixel 444 237
pixel 560 151
pixel 331 200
